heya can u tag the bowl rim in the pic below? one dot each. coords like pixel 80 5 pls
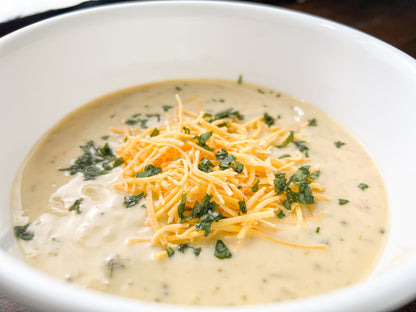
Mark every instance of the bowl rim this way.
pixel 387 291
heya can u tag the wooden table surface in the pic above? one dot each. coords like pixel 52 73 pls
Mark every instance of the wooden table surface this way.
pixel 392 21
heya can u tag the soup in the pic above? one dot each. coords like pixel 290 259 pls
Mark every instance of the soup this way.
pixel 201 192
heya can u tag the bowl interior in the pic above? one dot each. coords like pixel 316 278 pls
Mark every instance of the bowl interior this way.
pixel 51 68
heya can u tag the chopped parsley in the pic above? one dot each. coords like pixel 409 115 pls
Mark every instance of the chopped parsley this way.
pixel 76 205
pixel 221 251
pixel 228 113
pixel 153 115
pixel 205 165
pixel 195 250
pixel 260 91
pixel 182 247
pixel 137 119
pixel 227 160
pixel 338 144
pixel 207 212
pixel 268 120
pixel 284 156
pixel 243 207
pixel 181 208
pixel 317 229
pixel 94 162
pixel 312 122
pixel 343 201
pixel 167 107
pixel 363 186
pixel 255 187
pixel 148 171
pixel 302 147
pixel 155 132
pixel 170 251
pixel 105 137
pixel 206 220
pixel 186 130
pixel 177 88
pixel 240 79
pixel 21 232
pixel 301 178
pixel 118 162
pixel 287 140
pixel 281 214
pixel 202 140
pixel 130 201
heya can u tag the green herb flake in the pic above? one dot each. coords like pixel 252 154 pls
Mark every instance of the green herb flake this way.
pixel 312 122
pixel 21 232
pixel 338 144
pixel 177 88
pixel 284 156
pixel 130 201
pixel 243 207
pixel 221 251
pixel 148 171
pixel 363 186
pixel 315 175
pixel 260 91
pixel 105 137
pixel 227 161
pixel 343 201
pixel 118 162
pixel 207 212
pixel 207 115
pixel 240 79
pixel 76 205
pixel 278 95
pixel 205 221
pixel 131 122
pixel 167 107
pixel 197 251
pixel 205 165
pixel 228 113
pixel 153 116
pixel 186 130
pixel 182 247
pixel 202 140
pixel 155 132
pixel 255 187
pixel 94 162
pixel 143 123
pixel 281 214
pixel 170 251
pixel 302 147
pixel 301 178
pixel 318 229
pixel 287 140
pixel 181 208
pixel 268 120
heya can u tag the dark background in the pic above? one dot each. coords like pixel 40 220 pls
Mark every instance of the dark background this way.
pixel 391 21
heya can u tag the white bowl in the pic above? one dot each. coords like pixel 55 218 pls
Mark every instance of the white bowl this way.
pixel 52 67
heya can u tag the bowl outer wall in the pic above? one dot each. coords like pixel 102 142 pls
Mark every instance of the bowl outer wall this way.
pixel 50 68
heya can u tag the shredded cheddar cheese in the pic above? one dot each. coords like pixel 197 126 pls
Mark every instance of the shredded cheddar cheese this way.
pixel 214 163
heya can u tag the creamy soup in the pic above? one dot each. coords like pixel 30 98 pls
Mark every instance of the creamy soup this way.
pixel 82 228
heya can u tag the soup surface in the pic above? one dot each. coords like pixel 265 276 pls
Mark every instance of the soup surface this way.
pixel 80 229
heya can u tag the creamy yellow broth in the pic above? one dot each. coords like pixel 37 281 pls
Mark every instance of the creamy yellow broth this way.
pixel 89 249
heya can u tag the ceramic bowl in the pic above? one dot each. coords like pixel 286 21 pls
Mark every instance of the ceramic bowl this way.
pixel 51 68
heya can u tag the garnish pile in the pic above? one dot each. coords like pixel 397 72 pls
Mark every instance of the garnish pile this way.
pixel 207 177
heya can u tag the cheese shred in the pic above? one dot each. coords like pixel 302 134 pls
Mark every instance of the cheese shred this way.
pixel 226 163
